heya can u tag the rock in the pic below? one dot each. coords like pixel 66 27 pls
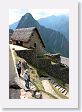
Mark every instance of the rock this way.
pixel 38 95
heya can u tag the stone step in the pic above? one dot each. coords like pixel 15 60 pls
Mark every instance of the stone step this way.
pixel 57 87
pixel 61 89
pixel 65 93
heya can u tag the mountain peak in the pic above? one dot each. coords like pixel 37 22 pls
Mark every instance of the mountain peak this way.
pixel 27 21
pixel 51 38
pixel 27 15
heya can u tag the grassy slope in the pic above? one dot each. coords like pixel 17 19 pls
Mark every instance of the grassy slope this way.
pixel 33 75
pixel 40 72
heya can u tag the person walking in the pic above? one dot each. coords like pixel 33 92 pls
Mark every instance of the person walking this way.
pixel 19 66
pixel 27 78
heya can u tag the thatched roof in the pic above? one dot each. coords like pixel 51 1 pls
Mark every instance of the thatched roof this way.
pixel 24 34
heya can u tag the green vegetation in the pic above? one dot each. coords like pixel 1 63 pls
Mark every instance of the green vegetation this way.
pixel 50 95
pixel 61 83
pixel 37 83
pixel 42 90
pixel 40 56
pixel 35 74
pixel 52 62
pixel 43 73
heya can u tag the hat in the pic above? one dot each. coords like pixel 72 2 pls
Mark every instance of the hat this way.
pixel 19 60
pixel 27 70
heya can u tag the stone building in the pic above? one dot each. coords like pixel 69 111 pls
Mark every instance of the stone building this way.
pixel 10 34
pixel 29 38
pixel 51 63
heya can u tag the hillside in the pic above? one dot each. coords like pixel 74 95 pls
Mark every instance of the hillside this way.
pixel 55 41
pixel 59 23
pixel 55 88
pixel 14 25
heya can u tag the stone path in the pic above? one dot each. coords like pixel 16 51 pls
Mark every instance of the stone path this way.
pixel 16 47
pixel 25 95
pixel 13 93
pixel 14 80
pixel 49 89
pixel 12 71
pixel 22 93
pixel 20 82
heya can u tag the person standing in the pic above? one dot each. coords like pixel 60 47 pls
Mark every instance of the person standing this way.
pixel 27 78
pixel 19 66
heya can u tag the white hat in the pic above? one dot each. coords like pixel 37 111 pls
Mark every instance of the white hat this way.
pixel 19 60
pixel 26 70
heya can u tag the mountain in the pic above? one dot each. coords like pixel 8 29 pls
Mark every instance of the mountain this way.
pixel 14 25
pixel 59 23
pixel 54 41
pixel 10 33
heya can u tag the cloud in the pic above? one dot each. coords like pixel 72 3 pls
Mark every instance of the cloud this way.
pixel 16 14
pixel 42 13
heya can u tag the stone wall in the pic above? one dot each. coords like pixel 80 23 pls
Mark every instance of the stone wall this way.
pixel 54 57
pixel 42 63
pixel 13 42
pixel 64 75
pixel 28 55
pixel 56 70
pixel 33 40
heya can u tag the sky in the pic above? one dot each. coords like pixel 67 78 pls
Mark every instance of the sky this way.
pixel 16 14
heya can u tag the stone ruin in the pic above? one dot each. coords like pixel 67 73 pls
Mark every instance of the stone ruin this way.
pixel 51 63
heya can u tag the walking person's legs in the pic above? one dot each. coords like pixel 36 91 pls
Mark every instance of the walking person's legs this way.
pixel 19 72
pixel 27 84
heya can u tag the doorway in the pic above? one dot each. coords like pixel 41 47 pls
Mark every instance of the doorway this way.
pixel 34 45
pixel 20 43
